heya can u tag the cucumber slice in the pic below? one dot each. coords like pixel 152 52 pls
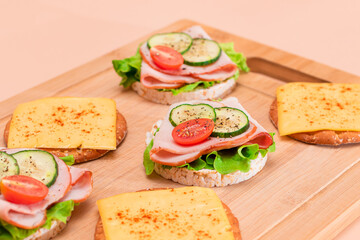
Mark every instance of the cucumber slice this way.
pixel 230 122
pixel 186 112
pixel 38 164
pixel 202 52
pixel 180 42
pixel 8 165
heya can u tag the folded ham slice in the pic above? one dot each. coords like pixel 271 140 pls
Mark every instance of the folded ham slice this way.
pixel 71 184
pixel 166 151
pixel 152 76
pixel 81 185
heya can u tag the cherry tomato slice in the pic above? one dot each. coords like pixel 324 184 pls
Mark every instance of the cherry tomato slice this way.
pixel 166 57
pixel 23 189
pixel 193 131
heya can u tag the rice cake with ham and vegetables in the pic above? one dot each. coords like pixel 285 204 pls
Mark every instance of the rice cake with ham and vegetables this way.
pixel 236 148
pixel 181 66
pixel 37 200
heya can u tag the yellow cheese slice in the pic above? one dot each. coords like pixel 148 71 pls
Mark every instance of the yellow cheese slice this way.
pixel 181 213
pixel 309 107
pixel 64 122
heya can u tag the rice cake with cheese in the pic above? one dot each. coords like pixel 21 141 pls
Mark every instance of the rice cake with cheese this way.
pixel 310 107
pixel 64 123
pixel 180 213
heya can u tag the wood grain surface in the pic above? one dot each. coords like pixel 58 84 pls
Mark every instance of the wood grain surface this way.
pixel 303 192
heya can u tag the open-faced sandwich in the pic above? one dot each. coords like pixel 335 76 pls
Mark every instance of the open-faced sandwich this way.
pixel 207 143
pixel 186 213
pixel 86 128
pixel 38 193
pixel 179 66
pixel 318 113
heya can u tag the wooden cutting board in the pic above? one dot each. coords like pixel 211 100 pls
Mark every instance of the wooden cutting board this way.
pixel 303 192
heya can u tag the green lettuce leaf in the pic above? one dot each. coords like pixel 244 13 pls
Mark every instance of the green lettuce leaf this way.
pixel 148 164
pixel 272 147
pixel 195 165
pixel 249 151
pixel 60 211
pixel 4 234
pixel 69 160
pixel 228 161
pixel 238 58
pixel 128 69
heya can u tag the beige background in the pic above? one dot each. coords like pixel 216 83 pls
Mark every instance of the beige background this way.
pixel 41 39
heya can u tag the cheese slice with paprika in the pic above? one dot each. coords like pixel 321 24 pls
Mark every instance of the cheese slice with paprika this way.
pixel 309 107
pixel 64 122
pixel 180 213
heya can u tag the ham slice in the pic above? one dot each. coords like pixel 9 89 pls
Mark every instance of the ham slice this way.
pixel 71 184
pixel 147 71
pixel 153 83
pixel 81 183
pixel 166 151
pixel 20 215
pixel 152 76
pixel 263 139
